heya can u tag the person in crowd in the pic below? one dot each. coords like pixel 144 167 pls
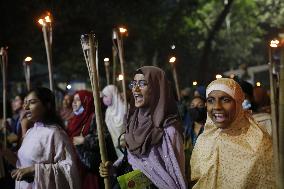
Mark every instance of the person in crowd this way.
pixel 114 116
pixel 153 131
pixel 19 124
pixel 46 158
pixel 264 119
pixel 198 113
pixel 66 112
pixel 82 131
pixel 200 91
pixel 233 151
pixel 182 105
pixel 263 112
pixel 248 103
pixel 261 99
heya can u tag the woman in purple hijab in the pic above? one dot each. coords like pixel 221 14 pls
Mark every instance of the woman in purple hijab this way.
pixel 153 130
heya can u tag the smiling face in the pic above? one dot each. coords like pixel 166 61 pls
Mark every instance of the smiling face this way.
pixel 76 104
pixel 141 92
pixel 221 108
pixel 35 110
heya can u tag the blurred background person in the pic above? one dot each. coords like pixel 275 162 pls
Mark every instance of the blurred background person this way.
pixel 66 111
pixel 82 131
pixel 198 114
pixel 114 115
pixel 200 91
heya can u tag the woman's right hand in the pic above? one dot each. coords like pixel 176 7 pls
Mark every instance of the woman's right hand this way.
pixel 105 169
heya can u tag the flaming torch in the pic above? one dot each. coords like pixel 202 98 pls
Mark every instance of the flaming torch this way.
pixel 90 50
pixel 118 45
pixel 47 35
pixel 4 62
pixel 106 61
pixel 172 61
pixel 27 62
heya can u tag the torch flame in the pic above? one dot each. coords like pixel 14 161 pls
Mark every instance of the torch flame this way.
pixel 172 59
pixel 28 59
pixel 274 43
pixel 47 19
pixel 41 21
pixel 122 30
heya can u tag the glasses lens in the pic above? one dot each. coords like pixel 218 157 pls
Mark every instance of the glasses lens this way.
pixel 142 83
pixel 131 85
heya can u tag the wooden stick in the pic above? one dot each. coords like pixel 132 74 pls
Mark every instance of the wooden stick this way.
pixel 121 59
pixel 47 41
pixel 4 60
pixel 281 118
pixel 176 80
pixel 107 72
pixel 91 64
pixel 27 73
pixel 114 63
pixel 275 127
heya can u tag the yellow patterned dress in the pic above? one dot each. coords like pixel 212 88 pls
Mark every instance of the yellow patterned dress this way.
pixel 238 157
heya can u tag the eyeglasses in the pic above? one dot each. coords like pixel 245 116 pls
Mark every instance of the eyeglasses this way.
pixel 141 84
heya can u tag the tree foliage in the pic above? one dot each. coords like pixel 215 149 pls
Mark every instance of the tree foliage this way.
pixel 240 36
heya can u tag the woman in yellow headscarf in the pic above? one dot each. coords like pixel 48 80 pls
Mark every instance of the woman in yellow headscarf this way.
pixel 233 151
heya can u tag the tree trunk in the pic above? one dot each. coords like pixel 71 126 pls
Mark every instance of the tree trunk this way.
pixel 204 64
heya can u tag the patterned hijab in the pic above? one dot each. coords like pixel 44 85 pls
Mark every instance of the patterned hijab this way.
pixel 233 89
pixel 239 156
pixel 84 119
pixel 144 130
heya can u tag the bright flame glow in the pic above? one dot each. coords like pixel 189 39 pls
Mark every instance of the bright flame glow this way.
pixel 218 76
pixel 41 21
pixel 122 30
pixel 172 59
pixel 120 77
pixel 28 59
pixel 68 86
pixel 47 19
pixel 173 47
pixel 106 59
pixel 274 43
pixel 194 83
pixel 258 84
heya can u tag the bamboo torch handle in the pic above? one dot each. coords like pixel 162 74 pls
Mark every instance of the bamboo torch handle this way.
pixel 4 66
pixel 281 117
pixel 97 103
pixel 176 81
pixel 47 42
pixel 121 58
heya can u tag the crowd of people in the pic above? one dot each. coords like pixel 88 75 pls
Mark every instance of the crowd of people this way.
pixel 217 136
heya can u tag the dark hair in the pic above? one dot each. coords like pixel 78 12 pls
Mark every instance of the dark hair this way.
pixel 21 95
pixel 199 97
pixel 47 98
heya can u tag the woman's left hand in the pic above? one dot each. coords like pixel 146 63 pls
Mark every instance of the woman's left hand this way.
pixel 22 173
pixel 77 140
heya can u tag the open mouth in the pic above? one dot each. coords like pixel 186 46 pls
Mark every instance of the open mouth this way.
pixel 219 117
pixel 138 97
